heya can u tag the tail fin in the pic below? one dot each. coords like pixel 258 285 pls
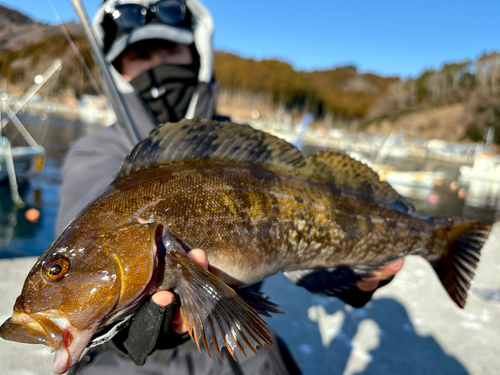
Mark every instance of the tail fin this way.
pixel 459 242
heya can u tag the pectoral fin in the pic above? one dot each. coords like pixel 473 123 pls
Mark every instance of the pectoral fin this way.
pixel 214 312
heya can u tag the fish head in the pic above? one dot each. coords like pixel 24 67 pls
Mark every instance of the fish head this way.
pixel 78 284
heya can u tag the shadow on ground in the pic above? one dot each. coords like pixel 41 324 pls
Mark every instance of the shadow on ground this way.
pixel 400 349
pixel 328 337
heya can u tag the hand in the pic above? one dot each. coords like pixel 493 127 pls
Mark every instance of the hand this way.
pixel 157 324
pixel 370 284
pixel 165 297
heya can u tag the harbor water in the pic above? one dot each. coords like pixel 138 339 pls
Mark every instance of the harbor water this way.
pixel 18 236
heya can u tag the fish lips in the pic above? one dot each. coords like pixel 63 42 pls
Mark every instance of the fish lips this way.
pixel 50 328
pixel 13 330
pixel 33 329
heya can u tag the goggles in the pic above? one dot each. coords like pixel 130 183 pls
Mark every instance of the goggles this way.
pixel 130 16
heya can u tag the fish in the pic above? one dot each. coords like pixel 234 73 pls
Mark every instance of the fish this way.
pixel 257 206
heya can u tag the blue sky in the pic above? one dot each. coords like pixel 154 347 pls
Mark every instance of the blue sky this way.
pixel 386 36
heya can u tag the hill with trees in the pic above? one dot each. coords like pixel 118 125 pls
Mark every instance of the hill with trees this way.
pixel 461 100
pixel 18 30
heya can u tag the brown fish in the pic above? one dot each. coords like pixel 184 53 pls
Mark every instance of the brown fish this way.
pixel 257 207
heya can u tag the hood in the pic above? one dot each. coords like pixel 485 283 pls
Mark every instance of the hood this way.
pixel 201 35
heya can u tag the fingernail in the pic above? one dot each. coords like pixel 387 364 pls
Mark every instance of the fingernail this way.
pixel 162 298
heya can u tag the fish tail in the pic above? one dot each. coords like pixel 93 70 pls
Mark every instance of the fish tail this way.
pixel 458 243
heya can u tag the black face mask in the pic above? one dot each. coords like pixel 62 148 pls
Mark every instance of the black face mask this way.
pixel 167 90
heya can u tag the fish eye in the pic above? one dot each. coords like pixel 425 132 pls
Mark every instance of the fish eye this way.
pixel 56 269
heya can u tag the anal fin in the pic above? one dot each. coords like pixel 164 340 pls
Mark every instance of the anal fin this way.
pixel 339 282
pixel 329 281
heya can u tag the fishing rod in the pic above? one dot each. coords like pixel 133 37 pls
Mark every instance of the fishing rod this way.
pixel 113 94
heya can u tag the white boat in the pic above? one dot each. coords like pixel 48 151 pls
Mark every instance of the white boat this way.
pixel 417 185
pixel 95 108
pixel 486 168
pixel 415 179
pixel 482 193
pixel 25 158
pixel 426 180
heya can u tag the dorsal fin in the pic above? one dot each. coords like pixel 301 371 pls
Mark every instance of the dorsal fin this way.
pixel 203 139
pixel 344 171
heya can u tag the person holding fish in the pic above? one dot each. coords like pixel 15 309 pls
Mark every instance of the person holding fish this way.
pixel 168 239
pixel 163 65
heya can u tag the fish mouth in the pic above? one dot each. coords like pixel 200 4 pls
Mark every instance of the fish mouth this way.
pixel 53 329
pixel 29 332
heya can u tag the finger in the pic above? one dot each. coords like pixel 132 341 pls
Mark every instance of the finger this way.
pixel 368 284
pixel 178 324
pixel 391 269
pixel 163 298
pixel 199 256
